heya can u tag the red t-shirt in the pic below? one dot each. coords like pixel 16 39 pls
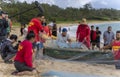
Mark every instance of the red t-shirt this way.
pixel 24 54
pixel 116 49
pixel 36 26
pixel 93 35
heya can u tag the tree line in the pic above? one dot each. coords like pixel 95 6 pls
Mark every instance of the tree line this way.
pixel 53 12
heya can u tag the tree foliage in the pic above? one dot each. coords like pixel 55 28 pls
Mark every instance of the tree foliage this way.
pixel 60 14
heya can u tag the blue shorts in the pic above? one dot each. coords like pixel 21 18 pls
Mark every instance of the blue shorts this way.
pixel 40 45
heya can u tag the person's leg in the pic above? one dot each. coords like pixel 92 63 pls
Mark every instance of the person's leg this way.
pixel 21 31
pixel 98 45
pixel 93 45
pixel 87 43
pixel 39 52
pixel 3 55
pixel 22 67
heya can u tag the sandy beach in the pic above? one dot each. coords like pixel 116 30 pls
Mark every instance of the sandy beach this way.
pixel 64 66
pixel 60 65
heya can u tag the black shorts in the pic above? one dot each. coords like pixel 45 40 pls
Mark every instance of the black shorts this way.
pixel 93 42
pixel 22 67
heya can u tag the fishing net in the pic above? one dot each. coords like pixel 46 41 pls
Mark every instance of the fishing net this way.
pixel 79 54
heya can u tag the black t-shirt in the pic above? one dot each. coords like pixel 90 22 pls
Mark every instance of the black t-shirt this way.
pixel 98 33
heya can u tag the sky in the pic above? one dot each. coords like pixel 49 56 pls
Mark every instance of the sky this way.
pixel 79 3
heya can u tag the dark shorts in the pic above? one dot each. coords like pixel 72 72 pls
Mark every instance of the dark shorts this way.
pixel 93 42
pixel 22 67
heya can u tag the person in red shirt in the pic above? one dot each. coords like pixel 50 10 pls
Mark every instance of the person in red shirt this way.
pixel 116 49
pixel 35 25
pixel 93 37
pixel 23 60
pixel 83 33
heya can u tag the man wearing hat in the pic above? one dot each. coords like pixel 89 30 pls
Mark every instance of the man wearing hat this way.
pixel 83 33
pixel 3 28
pixel 63 39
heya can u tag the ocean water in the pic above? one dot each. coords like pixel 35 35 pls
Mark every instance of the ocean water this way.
pixel 102 27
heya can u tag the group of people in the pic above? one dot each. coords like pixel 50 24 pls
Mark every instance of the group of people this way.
pixel 85 36
pixel 92 37
pixel 22 53
pixel 37 33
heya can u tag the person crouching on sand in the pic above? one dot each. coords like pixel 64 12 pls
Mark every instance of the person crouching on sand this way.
pixel 8 51
pixel 116 49
pixel 23 60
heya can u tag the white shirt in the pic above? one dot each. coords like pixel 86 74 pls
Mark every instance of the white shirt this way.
pixel 62 39
pixel 25 31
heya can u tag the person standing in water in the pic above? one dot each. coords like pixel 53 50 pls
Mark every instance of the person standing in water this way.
pixel 83 33
pixel 98 34
pixel 93 37
pixel 54 29
pixel 108 36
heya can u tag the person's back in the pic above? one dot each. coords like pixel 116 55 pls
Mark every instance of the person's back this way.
pixel 36 26
pixel 24 50
pixel 3 27
pixel 24 58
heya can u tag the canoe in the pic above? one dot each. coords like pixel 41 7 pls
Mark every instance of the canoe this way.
pixel 79 54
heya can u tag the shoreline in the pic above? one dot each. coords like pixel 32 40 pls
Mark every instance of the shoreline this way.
pixel 89 22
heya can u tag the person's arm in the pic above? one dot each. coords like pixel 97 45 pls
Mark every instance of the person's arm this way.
pixel 88 33
pixel 28 55
pixel 11 48
pixel 68 39
pixel 108 46
pixel 77 33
